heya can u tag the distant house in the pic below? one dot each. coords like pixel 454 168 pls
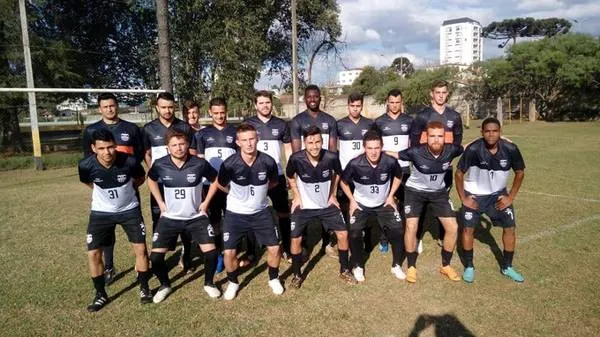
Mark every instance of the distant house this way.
pixel 73 105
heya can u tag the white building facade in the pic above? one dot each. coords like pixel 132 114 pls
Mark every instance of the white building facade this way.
pixel 461 42
pixel 347 77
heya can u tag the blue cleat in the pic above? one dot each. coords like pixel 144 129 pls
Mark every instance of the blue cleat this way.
pixel 384 247
pixel 220 264
pixel 469 275
pixel 512 274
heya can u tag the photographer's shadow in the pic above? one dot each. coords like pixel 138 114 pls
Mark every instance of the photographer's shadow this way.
pixel 443 325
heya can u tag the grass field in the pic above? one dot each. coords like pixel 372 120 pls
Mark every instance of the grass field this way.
pixel 44 282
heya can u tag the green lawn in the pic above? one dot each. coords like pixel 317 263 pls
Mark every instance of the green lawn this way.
pixel 45 284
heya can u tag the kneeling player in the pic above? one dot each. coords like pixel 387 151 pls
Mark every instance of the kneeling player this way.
pixel 183 212
pixel 481 181
pixel 247 176
pixel 313 174
pixel 113 178
pixel 376 177
pixel 426 186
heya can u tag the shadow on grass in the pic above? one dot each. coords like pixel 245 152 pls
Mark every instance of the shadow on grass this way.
pixel 127 288
pixel 483 234
pixel 443 325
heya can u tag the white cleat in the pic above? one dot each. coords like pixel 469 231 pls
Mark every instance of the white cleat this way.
pixel 359 274
pixel 161 294
pixel 420 247
pixel 231 291
pixel 397 271
pixel 276 286
pixel 212 291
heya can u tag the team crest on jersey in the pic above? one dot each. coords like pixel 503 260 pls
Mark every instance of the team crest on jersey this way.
pixel 406 209
pixel 191 177
pixel 88 238
pixel 352 219
pixel 275 132
pixel 450 124
pixel 210 230
pixel 383 176
pixel 98 180
pixel 404 127
pixel 226 236
pixel 229 139
pixel 262 175
pixel 362 132
pixel 445 166
pixel 397 216
pixel 155 237
pixel 121 178
pixel 324 126
pixel 143 228
pixel 325 173
pixel 292 225
pixel 468 215
pixel 503 162
pixel 125 137
pixel 210 139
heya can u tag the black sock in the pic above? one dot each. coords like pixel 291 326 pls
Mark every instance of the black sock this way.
pixel 508 258
pixel 296 263
pixel 324 237
pixel 187 251
pixel 468 257
pixel 143 277
pixel 284 228
pixel 233 276
pixel 99 285
pixel 210 266
pixel 343 258
pixel 411 257
pixel 159 267
pixel 446 257
pixel 273 273
pixel 397 241
pixel 108 252
pixel 357 249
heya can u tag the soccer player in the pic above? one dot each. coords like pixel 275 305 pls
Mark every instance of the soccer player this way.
pixel 273 135
pixel 191 112
pixel 351 129
pixel 453 132
pixel 376 177
pixel 426 187
pixel 154 134
pixel 395 128
pixel 128 139
pixel 183 211
pixel 247 176
pixel 113 177
pixel 481 180
pixel 313 174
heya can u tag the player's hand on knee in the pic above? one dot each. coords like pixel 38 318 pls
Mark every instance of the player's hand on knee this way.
pixel 503 202
pixel 353 207
pixel 470 202
pixel 389 201
pixel 333 201
pixel 296 204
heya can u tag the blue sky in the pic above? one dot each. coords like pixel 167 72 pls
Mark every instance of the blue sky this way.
pixel 377 31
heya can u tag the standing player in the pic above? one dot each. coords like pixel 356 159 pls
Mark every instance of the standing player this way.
pixel 113 177
pixel 247 176
pixel 128 139
pixel 183 212
pixel 351 129
pixel 426 188
pixel 272 136
pixel 313 174
pixel 481 180
pixel 376 177
pixel 154 142
pixel 453 132
pixel 191 113
pixel 395 127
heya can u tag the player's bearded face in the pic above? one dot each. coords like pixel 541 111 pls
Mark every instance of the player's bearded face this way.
pixel 108 108
pixel 105 151
pixel 218 114
pixel 491 133
pixel 313 145
pixel 178 147
pixel 247 142
pixel 165 108
pixel 263 105
pixel 193 116
pixel 439 95
pixel 373 150
pixel 435 140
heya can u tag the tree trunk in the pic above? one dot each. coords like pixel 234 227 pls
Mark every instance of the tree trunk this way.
pixel 164 50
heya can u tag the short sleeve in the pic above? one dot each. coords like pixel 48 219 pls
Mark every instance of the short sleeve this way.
pixel 518 163
pixel 290 168
pixel 153 173
pixel 405 154
pixel 396 169
pixel 295 130
pixel 224 176
pixel 286 134
pixel 209 172
pixel 198 142
pixel 347 174
pixel 84 173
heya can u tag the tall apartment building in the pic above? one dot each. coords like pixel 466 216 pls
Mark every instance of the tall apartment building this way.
pixel 461 42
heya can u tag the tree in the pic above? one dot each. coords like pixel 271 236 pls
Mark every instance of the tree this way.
pixel 403 66
pixel 511 29
pixel 321 44
pixel 371 79
pixel 164 49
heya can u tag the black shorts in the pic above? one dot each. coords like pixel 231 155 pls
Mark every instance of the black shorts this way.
pixel 199 230
pixel 331 218
pixel 387 217
pixel 438 203
pixel 279 196
pixel 505 218
pixel 216 207
pixel 261 224
pixel 101 228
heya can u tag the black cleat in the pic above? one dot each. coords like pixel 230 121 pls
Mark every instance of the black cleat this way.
pixel 145 296
pixel 296 281
pixel 98 303
pixel 109 275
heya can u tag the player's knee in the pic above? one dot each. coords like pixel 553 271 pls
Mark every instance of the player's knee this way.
pixel 229 254
pixel 341 235
pixel 411 226
pixel 395 234
pixel 95 254
pixel 355 234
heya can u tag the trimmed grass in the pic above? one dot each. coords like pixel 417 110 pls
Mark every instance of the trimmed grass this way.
pixel 46 286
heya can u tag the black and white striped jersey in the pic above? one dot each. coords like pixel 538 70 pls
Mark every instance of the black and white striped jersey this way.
pixel 372 184
pixel 396 134
pixel 314 182
pixel 128 138
pixel 154 133
pixel 112 188
pixel 216 145
pixel 323 121
pixel 427 171
pixel 271 137
pixel 350 136
pixel 248 185
pixel 487 173
pixel 450 118
pixel 182 186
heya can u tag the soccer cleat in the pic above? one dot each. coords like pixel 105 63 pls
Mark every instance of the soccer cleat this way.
pixel 347 277
pixel 212 291
pixel 469 275
pixel 296 281
pixel 220 263
pixel 109 275
pixel 512 274
pixel 145 296
pixel 411 275
pixel 384 247
pixel 359 274
pixel 99 301
pixel 162 293
pixel 420 247
pixel 331 251
pixel 397 271
pixel 286 258
pixel 276 286
pixel 231 291
pixel 449 273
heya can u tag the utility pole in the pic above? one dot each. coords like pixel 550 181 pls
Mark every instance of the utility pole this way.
pixel 164 50
pixel 35 131
pixel 295 55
